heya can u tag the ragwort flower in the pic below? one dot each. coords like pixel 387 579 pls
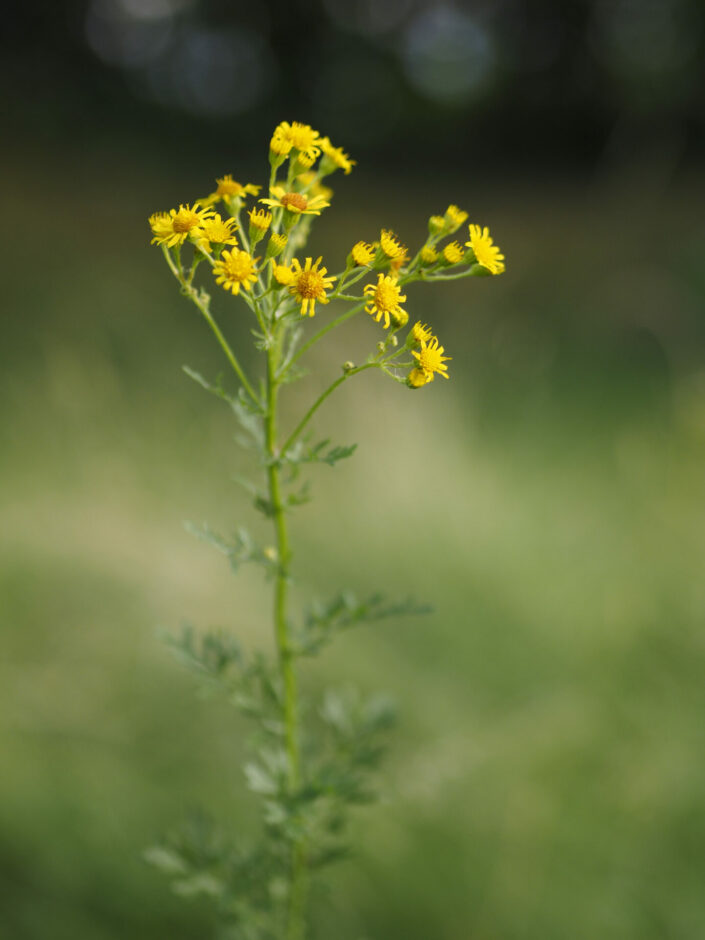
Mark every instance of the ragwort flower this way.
pixel 296 203
pixel 309 285
pixel 175 227
pixel 235 269
pixel 486 252
pixel 431 362
pixel 385 299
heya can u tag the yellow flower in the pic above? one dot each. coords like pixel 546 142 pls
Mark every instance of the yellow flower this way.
pixel 229 187
pixel 429 255
pixel 297 203
pixel 260 220
pixel 453 253
pixel 336 156
pixel 417 378
pixel 174 228
pixel 431 359
pixel 436 224
pixel 302 137
pixel 454 218
pixel 279 144
pixel 215 231
pixel 362 253
pixel 304 160
pixel 309 285
pixel 282 273
pixel 391 245
pixel 420 333
pixel 235 269
pixel 385 298
pixel 486 252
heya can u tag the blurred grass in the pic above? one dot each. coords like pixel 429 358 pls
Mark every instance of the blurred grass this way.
pixel 547 778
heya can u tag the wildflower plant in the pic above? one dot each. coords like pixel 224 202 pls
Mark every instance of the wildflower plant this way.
pixel 312 760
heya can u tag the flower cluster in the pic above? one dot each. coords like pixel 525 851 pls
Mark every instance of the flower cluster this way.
pixel 280 283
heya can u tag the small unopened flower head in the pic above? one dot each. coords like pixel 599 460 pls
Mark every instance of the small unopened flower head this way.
pixel 487 254
pixel 390 245
pixel 174 228
pixel 283 274
pixel 276 244
pixel 454 218
pixel 215 231
pixel 385 299
pixel 417 378
pixel 260 220
pixel 436 224
pixel 235 269
pixel 420 333
pixel 310 285
pixel 304 161
pixel 362 253
pixel 334 158
pixel 348 366
pixel 430 359
pixel 453 253
pixel 429 255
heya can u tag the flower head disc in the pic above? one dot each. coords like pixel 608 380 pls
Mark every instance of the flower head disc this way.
pixel 385 299
pixel 235 269
pixel 296 203
pixel 173 228
pixel 431 359
pixel 486 252
pixel 310 284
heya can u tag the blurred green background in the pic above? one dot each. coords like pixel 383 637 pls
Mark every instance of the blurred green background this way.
pixel 548 774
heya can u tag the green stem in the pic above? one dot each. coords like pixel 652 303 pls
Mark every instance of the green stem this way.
pixel 299 874
pixel 319 401
pixel 194 296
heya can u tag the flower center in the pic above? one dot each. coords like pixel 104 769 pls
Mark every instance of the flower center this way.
pixel 386 296
pixel 295 201
pixel 184 221
pixel 309 284
pixel 238 268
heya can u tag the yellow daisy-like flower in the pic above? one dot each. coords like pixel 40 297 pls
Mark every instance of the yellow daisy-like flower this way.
pixel 429 255
pixel 235 269
pixel 455 217
pixel 297 203
pixel 486 252
pixel 420 332
pixel 309 285
pixel 362 253
pixel 453 253
pixel 336 156
pixel 391 245
pixel 283 274
pixel 302 137
pixel 216 231
pixel 385 299
pixel 174 228
pixel 431 359
pixel 227 186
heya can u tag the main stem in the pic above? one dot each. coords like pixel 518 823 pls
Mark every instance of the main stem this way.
pixel 296 918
